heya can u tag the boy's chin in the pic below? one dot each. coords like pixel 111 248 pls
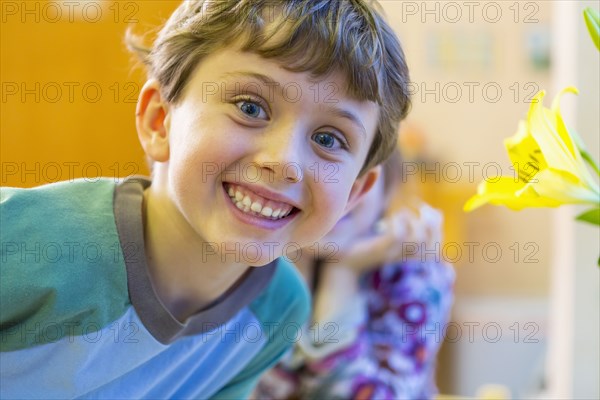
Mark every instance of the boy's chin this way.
pixel 253 254
pixel 244 259
pixel 259 265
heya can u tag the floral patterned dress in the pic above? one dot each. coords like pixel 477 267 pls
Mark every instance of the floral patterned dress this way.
pixel 388 352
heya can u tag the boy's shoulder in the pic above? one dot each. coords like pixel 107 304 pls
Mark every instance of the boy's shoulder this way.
pixel 285 302
pixel 60 257
pixel 56 201
pixel 56 222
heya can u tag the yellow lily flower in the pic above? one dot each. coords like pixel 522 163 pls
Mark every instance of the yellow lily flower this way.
pixel 550 168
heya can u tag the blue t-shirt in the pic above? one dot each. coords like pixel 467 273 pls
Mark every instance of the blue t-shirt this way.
pixel 79 317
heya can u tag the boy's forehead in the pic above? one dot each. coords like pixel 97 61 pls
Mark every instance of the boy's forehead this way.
pixel 232 63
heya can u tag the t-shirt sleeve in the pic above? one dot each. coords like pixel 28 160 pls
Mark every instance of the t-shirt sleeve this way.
pixel 282 310
pixel 57 243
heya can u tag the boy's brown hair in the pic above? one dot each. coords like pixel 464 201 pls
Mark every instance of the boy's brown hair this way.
pixel 316 36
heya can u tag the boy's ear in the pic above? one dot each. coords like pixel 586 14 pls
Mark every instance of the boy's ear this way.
pixel 152 123
pixel 361 186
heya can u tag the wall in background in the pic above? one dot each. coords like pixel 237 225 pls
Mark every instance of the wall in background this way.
pixel 69 89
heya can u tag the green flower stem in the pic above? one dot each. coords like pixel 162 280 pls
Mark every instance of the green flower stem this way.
pixel 592 20
pixel 588 158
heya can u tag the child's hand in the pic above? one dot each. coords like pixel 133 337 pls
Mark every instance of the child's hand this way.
pixel 404 235
pixel 416 233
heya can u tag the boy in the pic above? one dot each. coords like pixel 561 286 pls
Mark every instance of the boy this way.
pixel 174 288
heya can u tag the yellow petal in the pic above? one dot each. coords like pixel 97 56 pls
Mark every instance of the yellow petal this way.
pixel 561 127
pixel 524 152
pixel 564 188
pixel 573 141
pixel 542 126
pixel 504 192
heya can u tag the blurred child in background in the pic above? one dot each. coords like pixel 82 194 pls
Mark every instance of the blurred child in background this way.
pixel 381 299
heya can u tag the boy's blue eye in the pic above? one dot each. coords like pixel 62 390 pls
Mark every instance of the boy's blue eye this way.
pixel 324 139
pixel 251 109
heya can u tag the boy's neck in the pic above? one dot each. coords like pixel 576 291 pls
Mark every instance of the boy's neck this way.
pixel 185 279
pixel 305 264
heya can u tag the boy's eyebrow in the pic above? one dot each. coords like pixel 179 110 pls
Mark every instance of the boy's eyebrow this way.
pixel 268 81
pixel 339 112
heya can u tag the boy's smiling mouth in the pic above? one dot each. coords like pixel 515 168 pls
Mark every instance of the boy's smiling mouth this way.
pixel 251 203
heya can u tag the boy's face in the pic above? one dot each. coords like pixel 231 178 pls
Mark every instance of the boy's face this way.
pixel 257 159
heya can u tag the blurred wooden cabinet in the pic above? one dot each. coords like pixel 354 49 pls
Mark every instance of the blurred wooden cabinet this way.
pixel 69 89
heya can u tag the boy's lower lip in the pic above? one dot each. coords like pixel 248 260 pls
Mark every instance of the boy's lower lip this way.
pixel 256 221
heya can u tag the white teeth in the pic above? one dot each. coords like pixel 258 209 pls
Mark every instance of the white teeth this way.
pixel 245 204
pixel 256 207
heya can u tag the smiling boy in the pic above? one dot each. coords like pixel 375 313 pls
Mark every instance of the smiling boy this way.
pixel 197 301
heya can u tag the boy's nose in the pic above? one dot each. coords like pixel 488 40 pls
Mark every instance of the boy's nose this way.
pixel 292 172
pixel 281 153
